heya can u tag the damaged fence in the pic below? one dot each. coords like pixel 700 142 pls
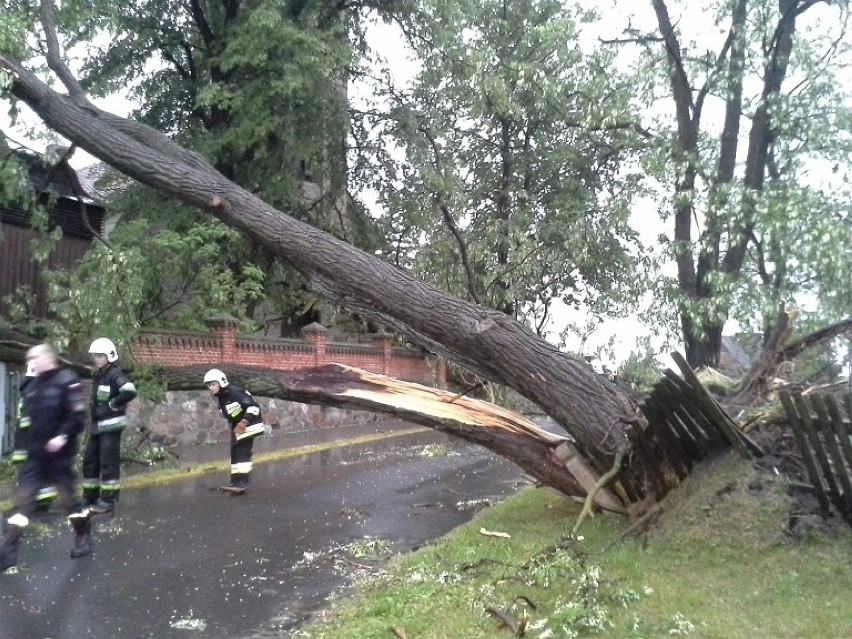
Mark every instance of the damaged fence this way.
pixel 684 425
pixel 823 431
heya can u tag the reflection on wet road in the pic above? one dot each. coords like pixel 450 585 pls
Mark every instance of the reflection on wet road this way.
pixel 184 560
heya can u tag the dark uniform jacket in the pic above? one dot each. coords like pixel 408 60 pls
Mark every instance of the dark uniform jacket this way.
pixel 111 392
pixel 55 404
pixel 237 404
pixel 19 455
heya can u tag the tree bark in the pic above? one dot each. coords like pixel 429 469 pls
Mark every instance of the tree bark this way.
pixel 592 410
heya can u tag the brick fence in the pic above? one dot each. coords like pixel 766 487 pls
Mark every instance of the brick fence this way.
pixel 223 346
pixel 192 417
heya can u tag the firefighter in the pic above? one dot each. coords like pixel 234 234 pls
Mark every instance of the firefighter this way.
pixel 243 414
pixel 46 494
pixel 56 408
pixel 112 391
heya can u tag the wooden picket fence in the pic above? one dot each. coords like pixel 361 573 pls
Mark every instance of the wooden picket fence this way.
pixel 823 431
pixel 683 426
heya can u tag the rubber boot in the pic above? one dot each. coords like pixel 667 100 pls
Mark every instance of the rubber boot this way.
pixel 237 485
pixel 242 481
pixel 9 547
pixel 102 507
pixel 82 524
pixel 91 491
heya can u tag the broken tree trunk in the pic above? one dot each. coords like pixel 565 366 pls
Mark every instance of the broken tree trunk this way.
pixel 509 434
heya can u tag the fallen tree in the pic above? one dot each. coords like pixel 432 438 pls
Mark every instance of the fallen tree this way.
pixel 549 458
pixel 592 410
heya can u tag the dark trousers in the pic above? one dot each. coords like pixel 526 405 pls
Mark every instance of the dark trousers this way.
pixel 102 467
pixel 36 473
pixel 241 451
pixel 241 464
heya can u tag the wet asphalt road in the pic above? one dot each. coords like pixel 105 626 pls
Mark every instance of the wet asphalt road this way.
pixel 184 560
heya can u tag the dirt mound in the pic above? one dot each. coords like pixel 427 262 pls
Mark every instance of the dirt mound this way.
pixel 751 503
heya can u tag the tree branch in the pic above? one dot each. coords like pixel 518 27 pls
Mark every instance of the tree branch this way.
pixel 54 54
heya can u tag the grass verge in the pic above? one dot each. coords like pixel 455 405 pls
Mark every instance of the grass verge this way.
pixel 718 563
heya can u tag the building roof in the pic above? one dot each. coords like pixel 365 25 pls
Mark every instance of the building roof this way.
pixel 58 178
pixel 71 198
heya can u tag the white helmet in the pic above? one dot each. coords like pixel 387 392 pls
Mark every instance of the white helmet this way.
pixel 104 346
pixel 215 375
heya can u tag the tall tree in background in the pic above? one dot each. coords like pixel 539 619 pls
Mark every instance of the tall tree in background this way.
pixel 258 88
pixel 755 118
pixel 500 168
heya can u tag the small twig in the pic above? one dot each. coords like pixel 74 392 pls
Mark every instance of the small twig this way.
pixel 136 460
pixel 399 632
pixel 526 600
pixel 637 525
pixel 603 481
pixel 467 390
pixel 519 629
pixel 504 619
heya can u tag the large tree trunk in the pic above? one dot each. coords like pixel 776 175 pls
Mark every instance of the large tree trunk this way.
pixel 592 410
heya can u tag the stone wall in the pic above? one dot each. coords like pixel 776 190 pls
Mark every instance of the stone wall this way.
pixel 189 418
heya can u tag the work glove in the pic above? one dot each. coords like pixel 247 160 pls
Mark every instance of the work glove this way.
pixel 55 444
pixel 240 428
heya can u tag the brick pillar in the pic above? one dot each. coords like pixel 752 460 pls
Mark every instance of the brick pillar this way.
pixel 441 373
pixel 382 341
pixel 316 334
pixel 224 327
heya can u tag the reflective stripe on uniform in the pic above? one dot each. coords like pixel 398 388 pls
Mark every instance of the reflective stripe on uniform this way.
pixel 19 456
pixel 91 484
pixel 243 468
pixel 18 520
pixel 233 409
pixel 47 493
pixel 110 484
pixel 112 421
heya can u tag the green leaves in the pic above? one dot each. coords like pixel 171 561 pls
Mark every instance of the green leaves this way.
pixel 257 89
pixel 13 33
pixel 742 139
pixel 509 190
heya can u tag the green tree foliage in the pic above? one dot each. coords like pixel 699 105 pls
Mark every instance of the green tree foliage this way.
pixel 500 168
pixel 168 279
pixel 751 110
pixel 258 88
pixel 253 86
